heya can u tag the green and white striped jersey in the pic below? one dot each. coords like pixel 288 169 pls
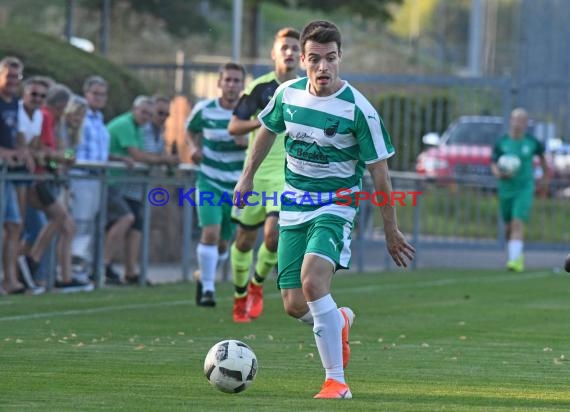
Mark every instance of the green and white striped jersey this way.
pixel 223 160
pixel 328 140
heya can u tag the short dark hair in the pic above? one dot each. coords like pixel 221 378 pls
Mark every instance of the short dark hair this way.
pixel 161 98
pixel 92 81
pixel 320 31
pixel 11 62
pixel 232 66
pixel 39 80
pixel 287 32
pixel 58 93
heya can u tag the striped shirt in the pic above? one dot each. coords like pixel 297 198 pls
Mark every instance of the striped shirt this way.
pixel 328 140
pixel 222 160
pixel 94 143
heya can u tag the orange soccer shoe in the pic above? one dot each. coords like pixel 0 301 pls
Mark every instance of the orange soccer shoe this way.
pixel 348 316
pixel 333 389
pixel 255 303
pixel 240 310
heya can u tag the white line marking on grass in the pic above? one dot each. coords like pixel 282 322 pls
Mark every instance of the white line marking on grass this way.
pixel 440 282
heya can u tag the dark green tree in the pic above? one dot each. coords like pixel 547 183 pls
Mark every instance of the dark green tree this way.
pixel 181 17
pixel 368 9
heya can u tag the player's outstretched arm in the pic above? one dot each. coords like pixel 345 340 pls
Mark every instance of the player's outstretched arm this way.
pixel 261 146
pixel 401 251
pixel 240 127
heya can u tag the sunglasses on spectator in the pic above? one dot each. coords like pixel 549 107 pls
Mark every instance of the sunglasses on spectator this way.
pixel 163 113
pixel 40 95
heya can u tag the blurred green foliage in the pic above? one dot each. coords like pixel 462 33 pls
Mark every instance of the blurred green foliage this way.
pixel 49 56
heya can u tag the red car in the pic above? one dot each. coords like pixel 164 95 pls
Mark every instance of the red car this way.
pixel 463 152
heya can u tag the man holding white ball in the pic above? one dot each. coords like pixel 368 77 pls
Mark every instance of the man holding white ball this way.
pixel 512 164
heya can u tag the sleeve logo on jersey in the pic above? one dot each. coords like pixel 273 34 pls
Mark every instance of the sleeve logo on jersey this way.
pixel 308 151
pixel 331 127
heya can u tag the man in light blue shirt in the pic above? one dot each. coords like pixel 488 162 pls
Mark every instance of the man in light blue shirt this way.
pixel 93 147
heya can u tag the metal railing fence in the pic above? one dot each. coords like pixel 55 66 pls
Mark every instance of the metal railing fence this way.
pixel 447 215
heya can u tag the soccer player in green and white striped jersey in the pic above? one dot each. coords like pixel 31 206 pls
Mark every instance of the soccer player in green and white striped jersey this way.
pixel 332 134
pixel 221 157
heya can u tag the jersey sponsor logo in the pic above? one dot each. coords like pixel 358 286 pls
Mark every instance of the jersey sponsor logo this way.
pixel 309 152
pixel 331 127
pixel 291 113
pixel 371 116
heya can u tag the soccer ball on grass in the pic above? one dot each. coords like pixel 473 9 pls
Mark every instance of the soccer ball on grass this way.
pixel 230 366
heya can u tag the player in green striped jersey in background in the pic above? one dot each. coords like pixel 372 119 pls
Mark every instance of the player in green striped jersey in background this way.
pixel 248 295
pixel 221 157
pixel 331 134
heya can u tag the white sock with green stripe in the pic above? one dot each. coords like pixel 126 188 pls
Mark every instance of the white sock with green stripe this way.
pixel 328 335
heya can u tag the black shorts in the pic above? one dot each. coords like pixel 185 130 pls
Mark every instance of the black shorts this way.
pixel 47 192
pixel 119 206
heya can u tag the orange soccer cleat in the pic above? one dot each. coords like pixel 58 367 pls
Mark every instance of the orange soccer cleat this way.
pixel 255 302
pixel 348 316
pixel 333 389
pixel 240 310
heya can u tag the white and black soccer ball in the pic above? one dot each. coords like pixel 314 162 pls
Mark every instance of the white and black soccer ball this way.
pixel 230 366
pixel 509 164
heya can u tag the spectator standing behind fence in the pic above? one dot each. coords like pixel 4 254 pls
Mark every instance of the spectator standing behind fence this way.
pixel 269 180
pixel 30 120
pixel 43 195
pixel 516 192
pixel 93 146
pixel 221 158
pixel 69 134
pixel 11 70
pixel 123 213
pixel 153 143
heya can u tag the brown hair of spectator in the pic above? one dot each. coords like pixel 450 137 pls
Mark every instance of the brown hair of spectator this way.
pixel 287 32
pixel 39 80
pixel 232 66
pixel 58 94
pixel 322 32
pixel 161 98
pixel 11 62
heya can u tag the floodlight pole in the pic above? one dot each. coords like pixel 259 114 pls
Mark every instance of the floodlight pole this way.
pixel 105 19
pixel 69 7
pixel 475 37
pixel 237 29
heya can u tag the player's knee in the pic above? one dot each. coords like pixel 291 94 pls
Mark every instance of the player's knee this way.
pixel 271 241
pixel 210 235
pixel 312 288
pixel 244 241
pixel 295 309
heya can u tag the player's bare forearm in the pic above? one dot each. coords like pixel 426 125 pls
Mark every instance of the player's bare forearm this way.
pixel 261 146
pixel 381 181
pixel 239 126
pixel 194 141
pixel 398 247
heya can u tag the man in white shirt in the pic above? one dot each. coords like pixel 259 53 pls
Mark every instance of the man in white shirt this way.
pixel 29 115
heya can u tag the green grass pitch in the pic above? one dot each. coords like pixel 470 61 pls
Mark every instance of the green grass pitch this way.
pixel 422 341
